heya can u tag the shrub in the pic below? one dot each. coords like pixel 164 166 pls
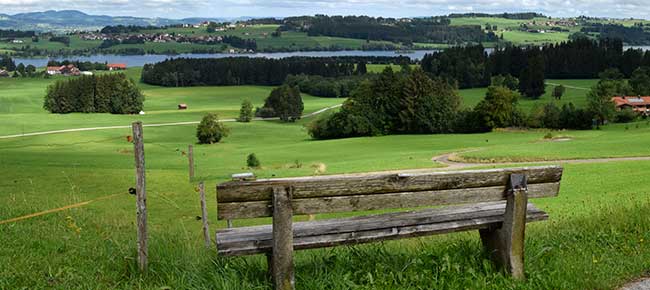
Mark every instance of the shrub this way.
pixel 246 111
pixel 284 102
pixel 252 161
pixel 210 130
pixel 625 116
pixel 558 92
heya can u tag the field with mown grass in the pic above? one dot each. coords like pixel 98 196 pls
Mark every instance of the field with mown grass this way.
pixel 596 237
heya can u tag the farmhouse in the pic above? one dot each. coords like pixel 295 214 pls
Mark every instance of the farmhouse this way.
pixel 638 104
pixel 4 73
pixel 116 66
pixel 68 70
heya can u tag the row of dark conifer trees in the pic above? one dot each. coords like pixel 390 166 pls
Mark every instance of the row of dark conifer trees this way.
pixel 183 72
pixel 109 93
pixel 472 66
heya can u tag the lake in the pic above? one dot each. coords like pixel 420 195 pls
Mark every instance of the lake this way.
pixel 140 60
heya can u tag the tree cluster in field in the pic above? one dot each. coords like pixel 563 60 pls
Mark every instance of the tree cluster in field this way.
pixel 181 72
pixel 428 30
pixel 25 71
pixel 106 43
pixel 612 83
pixel 581 58
pixel 238 42
pixel 325 87
pixel 20 70
pixel 62 39
pixel 109 93
pixel 210 130
pixel 81 65
pixel 10 33
pixel 518 16
pixel 393 103
pixel 7 63
pixel 122 29
pixel 631 35
pixel 283 102
pixel 409 102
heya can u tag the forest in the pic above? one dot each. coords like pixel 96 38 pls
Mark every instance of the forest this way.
pixel 181 72
pixel 581 58
pixel 429 30
pixel 632 35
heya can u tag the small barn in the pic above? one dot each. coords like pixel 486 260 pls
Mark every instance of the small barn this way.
pixel 182 106
pixel 116 66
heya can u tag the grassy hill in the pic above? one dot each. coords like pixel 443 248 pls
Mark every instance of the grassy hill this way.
pixel 536 31
pixel 596 238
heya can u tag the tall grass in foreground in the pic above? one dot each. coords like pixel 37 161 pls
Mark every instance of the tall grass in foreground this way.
pixel 598 250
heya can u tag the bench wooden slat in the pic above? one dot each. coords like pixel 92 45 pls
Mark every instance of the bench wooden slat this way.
pixel 301 206
pixel 355 230
pixel 360 184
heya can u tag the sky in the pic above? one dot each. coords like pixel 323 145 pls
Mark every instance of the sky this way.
pixel 283 8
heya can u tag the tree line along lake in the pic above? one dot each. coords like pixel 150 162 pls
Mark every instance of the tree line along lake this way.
pixel 141 60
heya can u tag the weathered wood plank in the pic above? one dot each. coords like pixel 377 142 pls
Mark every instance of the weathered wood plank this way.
pixel 506 243
pixel 368 222
pixel 360 184
pixel 317 240
pixel 282 259
pixel 234 210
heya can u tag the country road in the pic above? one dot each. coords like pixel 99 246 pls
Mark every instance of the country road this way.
pixel 151 125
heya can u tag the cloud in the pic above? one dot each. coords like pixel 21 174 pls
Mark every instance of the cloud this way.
pixel 395 8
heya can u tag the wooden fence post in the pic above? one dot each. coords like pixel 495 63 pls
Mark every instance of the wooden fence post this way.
pixel 190 156
pixel 204 215
pixel 141 195
pixel 282 256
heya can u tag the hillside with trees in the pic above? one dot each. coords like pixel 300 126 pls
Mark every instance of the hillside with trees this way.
pixel 427 30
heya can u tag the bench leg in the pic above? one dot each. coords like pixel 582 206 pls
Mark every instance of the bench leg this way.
pixel 282 256
pixel 506 244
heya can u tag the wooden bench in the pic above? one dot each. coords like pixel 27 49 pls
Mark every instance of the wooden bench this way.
pixel 496 204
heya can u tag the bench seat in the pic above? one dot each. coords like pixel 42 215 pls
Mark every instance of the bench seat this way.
pixel 363 229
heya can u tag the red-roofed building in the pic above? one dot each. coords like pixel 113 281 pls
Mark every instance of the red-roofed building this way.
pixel 68 70
pixel 637 104
pixel 116 66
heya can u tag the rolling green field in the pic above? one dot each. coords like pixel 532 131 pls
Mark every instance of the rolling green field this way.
pixel 293 40
pixel 596 238
pixel 21 103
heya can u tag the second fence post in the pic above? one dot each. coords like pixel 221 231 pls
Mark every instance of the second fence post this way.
pixel 190 157
pixel 204 215
pixel 141 195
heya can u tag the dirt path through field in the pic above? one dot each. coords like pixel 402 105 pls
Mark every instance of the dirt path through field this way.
pixel 445 159
pixel 568 86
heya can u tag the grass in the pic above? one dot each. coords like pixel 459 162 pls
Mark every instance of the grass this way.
pixel 576 92
pixel 21 105
pixel 596 239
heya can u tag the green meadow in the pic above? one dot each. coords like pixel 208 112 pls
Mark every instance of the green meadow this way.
pixel 597 236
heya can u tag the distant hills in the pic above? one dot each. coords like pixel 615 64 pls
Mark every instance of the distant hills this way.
pixel 66 20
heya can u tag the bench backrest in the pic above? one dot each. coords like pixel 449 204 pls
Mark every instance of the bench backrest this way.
pixel 362 192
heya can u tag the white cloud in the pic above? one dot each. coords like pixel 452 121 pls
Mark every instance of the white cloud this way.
pixel 395 8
